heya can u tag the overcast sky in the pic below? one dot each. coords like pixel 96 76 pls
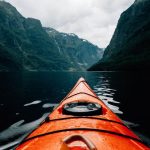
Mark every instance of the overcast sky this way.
pixel 94 20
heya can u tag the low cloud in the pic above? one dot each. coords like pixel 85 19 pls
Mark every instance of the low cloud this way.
pixel 94 20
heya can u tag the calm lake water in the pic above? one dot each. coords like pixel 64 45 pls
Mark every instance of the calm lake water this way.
pixel 26 97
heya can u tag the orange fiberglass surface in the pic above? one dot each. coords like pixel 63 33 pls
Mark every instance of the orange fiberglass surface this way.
pixel 82 122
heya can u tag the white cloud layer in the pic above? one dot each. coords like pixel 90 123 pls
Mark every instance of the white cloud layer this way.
pixel 94 20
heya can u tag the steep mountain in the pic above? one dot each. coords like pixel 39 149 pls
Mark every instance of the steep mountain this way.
pixel 129 48
pixel 75 49
pixel 26 45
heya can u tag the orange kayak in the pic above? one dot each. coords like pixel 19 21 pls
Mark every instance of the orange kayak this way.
pixel 82 122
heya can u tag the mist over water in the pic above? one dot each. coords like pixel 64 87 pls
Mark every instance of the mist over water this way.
pixel 26 98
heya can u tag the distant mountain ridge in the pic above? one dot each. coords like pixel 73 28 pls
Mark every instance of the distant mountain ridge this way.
pixel 26 45
pixel 76 49
pixel 129 48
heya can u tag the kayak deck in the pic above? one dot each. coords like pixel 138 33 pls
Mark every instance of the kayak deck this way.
pixel 61 131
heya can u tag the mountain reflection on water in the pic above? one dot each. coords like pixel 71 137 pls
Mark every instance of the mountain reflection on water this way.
pixel 26 98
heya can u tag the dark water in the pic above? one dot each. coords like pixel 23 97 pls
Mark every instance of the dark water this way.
pixel 26 97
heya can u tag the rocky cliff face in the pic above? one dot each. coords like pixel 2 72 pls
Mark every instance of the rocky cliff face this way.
pixel 78 51
pixel 129 48
pixel 26 45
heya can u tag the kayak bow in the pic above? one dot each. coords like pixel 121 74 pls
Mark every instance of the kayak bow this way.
pixel 82 122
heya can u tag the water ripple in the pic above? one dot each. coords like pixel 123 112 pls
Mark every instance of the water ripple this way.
pixel 106 94
pixel 16 130
pixel 48 105
pixel 33 103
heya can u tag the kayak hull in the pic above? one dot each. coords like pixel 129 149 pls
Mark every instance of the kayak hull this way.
pixel 68 132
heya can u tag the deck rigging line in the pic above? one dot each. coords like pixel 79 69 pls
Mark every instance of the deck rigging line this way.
pixel 47 119
pixel 83 129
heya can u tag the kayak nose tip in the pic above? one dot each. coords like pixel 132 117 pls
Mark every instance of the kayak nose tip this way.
pixel 81 79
